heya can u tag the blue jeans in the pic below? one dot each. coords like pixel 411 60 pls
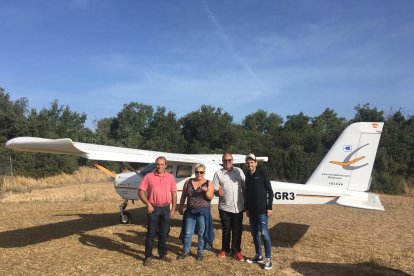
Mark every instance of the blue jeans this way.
pixel 259 228
pixel 194 221
pixel 158 220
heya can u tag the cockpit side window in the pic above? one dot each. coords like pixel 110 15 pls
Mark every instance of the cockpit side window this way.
pixel 169 169
pixel 184 171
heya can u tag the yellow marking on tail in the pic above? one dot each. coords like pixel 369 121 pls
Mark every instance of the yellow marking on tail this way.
pixel 346 164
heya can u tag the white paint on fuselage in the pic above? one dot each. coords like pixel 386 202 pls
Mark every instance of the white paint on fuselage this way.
pixel 127 185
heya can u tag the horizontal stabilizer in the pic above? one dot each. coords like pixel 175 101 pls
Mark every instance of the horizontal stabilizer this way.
pixel 362 200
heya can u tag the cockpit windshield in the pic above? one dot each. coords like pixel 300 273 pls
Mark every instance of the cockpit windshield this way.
pixel 149 168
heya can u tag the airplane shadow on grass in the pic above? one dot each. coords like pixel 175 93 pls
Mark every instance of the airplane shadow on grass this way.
pixel 111 245
pixel 286 234
pixel 366 268
pixel 283 234
pixel 43 233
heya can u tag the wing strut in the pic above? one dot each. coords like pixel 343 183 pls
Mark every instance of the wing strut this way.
pixel 105 170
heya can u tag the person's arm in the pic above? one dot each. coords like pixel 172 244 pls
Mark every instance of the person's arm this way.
pixel 243 186
pixel 173 196
pixel 209 190
pixel 174 203
pixel 143 197
pixel 246 201
pixel 218 191
pixel 269 191
pixel 182 199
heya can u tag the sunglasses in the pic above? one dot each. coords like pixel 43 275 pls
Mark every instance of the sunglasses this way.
pixel 227 160
pixel 199 172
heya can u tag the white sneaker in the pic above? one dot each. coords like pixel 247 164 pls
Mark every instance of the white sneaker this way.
pixel 268 264
pixel 256 259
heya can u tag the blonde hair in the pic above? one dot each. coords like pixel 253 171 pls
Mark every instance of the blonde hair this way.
pixel 200 166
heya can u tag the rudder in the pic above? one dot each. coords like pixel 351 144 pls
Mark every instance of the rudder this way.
pixel 348 164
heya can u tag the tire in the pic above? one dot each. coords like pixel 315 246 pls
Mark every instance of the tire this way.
pixel 126 218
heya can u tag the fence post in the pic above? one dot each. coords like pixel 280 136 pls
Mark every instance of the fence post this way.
pixel 11 167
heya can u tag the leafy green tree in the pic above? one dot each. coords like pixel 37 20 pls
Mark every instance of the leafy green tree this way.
pixel 164 133
pixel 104 132
pixel 129 125
pixel 208 130
pixel 367 114
pixel 59 121
pixel 329 126
pixel 262 129
pixel 12 123
pixel 12 117
pixel 383 180
pixel 263 122
pixel 56 122
pixel 294 148
pixel 395 155
pixel 408 137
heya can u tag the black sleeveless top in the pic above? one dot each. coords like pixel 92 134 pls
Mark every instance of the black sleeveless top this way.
pixel 197 197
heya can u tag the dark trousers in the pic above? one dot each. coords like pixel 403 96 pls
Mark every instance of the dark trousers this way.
pixel 158 220
pixel 232 224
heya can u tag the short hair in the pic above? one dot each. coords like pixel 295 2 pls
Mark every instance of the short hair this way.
pixel 226 152
pixel 161 157
pixel 200 166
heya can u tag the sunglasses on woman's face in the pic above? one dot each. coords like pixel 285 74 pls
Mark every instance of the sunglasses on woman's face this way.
pixel 199 172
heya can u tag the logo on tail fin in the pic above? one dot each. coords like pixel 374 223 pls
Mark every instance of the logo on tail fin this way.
pixel 347 162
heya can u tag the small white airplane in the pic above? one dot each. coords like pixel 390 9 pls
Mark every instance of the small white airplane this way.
pixel 343 176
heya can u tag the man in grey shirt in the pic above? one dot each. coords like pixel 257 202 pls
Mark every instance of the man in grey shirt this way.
pixel 229 186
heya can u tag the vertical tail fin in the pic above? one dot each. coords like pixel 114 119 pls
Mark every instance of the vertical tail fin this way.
pixel 348 164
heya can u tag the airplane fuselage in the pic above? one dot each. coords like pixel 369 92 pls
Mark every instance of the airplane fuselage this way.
pixel 127 185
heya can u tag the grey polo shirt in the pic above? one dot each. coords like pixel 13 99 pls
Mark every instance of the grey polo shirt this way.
pixel 232 184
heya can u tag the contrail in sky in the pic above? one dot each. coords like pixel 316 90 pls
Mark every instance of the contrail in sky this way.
pixel 231 47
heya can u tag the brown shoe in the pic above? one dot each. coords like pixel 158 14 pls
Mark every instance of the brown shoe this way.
pixel 182 256
pixel 147 262
pixel 165 258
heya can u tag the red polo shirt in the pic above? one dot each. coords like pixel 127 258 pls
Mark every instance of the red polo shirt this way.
pixel 158 187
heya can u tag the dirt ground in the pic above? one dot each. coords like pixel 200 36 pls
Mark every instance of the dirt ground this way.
pixel 85 238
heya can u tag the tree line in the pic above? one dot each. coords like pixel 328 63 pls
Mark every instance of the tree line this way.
pixel 294 145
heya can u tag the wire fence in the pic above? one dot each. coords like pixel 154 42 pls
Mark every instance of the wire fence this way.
pixel 6 166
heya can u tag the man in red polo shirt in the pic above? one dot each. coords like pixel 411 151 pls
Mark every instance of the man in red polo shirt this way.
pixel 161 192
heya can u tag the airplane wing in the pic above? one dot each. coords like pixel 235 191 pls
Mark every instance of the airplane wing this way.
pixel 110 153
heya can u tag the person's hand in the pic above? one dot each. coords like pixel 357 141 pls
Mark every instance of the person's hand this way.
pixel 204 188
pixel 220 191
pixel 150 208
pixel 172 213
pixel 269 213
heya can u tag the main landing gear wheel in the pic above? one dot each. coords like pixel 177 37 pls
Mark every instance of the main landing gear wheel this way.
pixel 125 218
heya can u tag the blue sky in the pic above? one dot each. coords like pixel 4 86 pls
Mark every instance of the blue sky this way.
pixel 284 57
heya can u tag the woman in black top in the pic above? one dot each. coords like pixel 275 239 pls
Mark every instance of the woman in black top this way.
pixel 199 192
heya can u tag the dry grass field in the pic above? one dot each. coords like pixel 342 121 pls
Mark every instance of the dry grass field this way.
pixel 73 229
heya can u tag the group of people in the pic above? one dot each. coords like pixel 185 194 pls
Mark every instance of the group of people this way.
pixel 238 193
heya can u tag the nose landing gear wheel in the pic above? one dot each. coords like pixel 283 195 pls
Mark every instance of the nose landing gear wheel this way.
pixel 125 218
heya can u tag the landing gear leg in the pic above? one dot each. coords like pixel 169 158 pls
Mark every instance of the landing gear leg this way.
pixel 124 217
